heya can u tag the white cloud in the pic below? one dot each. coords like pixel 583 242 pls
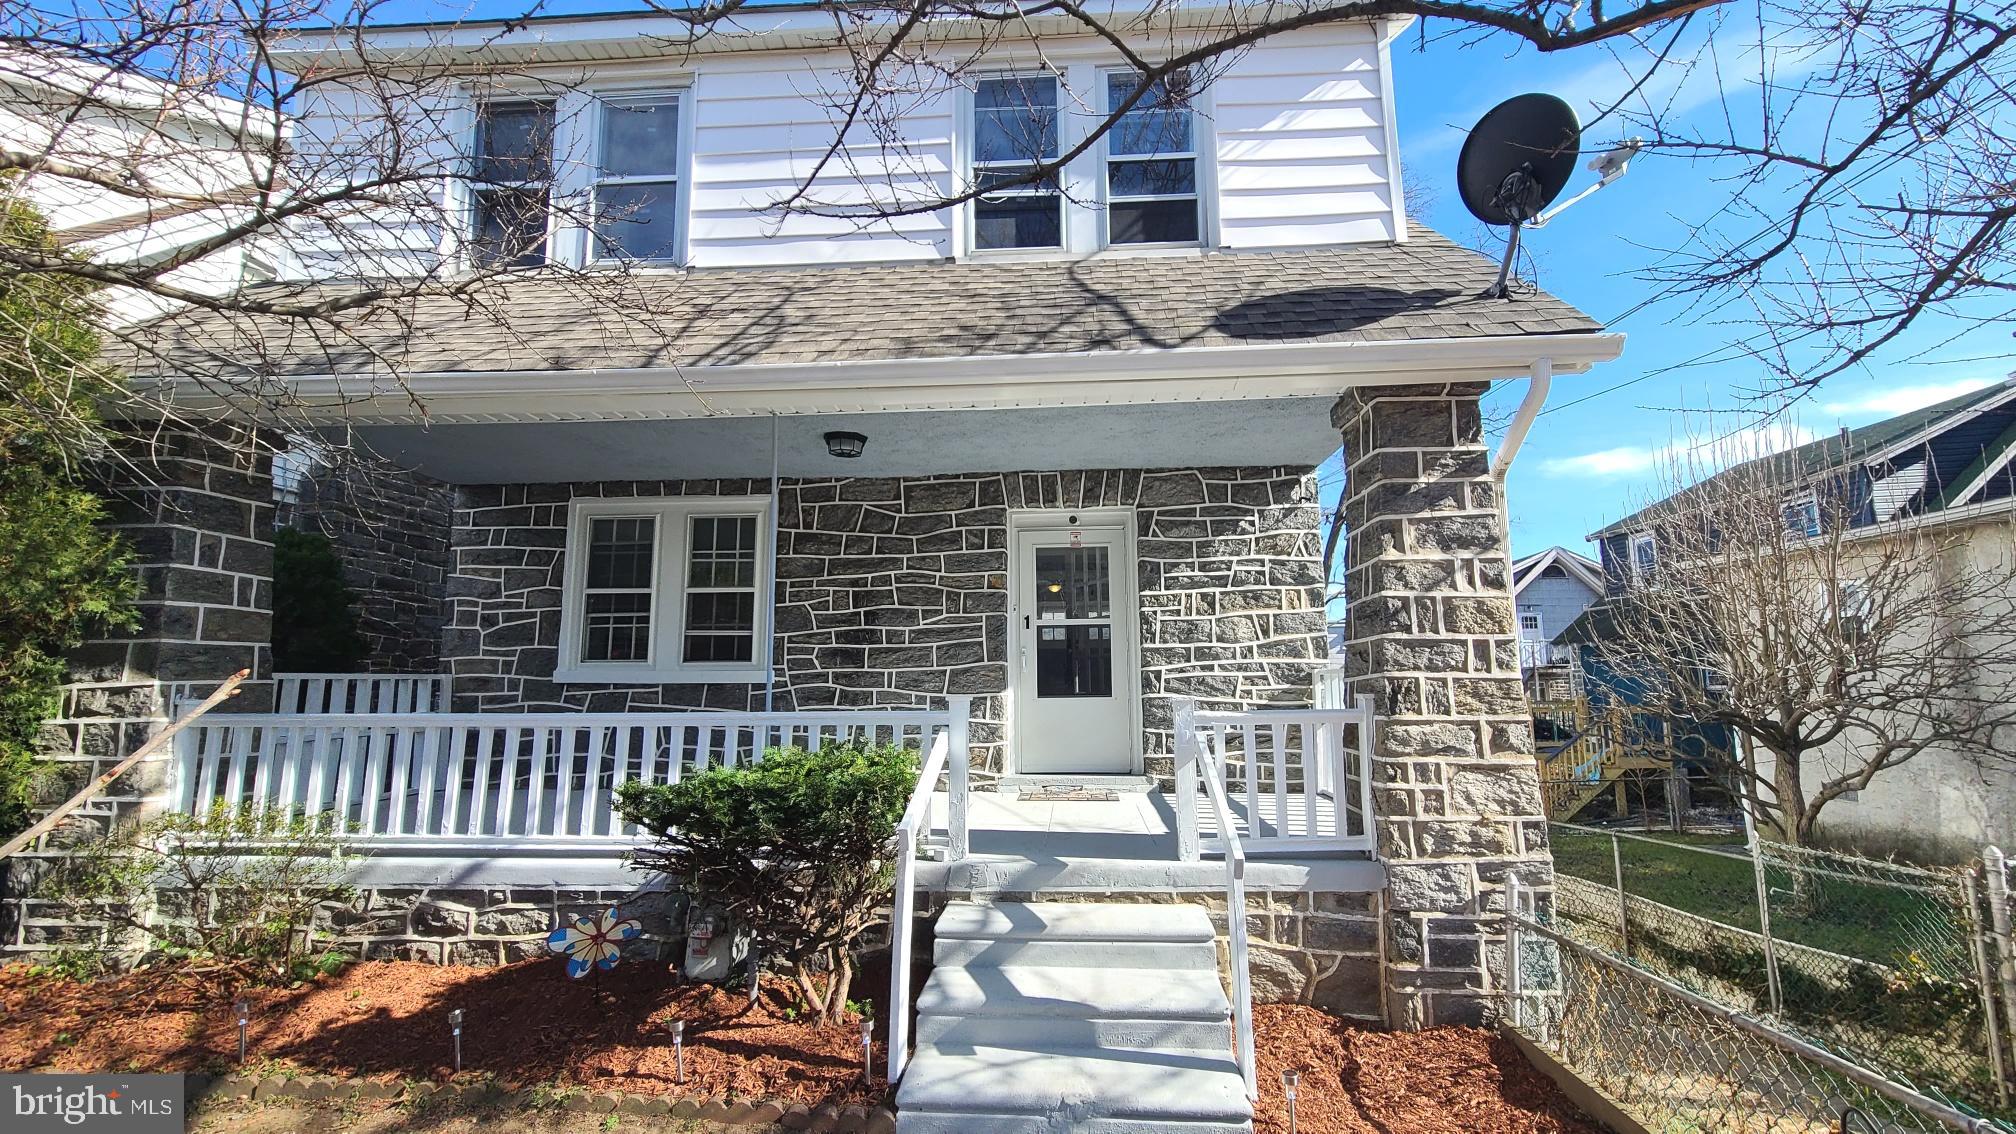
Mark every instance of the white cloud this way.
pixel 1894 400
pixel 1691 458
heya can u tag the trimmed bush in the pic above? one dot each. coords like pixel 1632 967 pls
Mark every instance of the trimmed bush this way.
pixel 795 847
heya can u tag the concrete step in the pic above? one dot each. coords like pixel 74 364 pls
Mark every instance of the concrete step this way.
pixel 992 1090
pixel 1075 935
pixel 1056 1008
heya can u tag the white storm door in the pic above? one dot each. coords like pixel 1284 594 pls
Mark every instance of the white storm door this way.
pixel 1075 679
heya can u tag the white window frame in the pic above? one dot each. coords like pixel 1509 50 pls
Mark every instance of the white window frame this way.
pixel 970 128
pixel 674 516
pixel 1200 177
pixel 679 178
pixel 1807 504
pixel 1638 570
pixel 472 221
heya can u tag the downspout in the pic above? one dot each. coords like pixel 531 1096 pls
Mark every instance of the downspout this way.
pixel 770 580
pixel 1541 376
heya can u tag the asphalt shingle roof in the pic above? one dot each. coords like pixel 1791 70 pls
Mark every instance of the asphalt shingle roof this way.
pixel 1426 287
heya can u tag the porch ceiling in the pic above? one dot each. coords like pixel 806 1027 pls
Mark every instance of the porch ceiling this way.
pixel 1283 432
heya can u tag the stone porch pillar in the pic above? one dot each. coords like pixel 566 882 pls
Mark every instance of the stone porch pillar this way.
pixel 1432 638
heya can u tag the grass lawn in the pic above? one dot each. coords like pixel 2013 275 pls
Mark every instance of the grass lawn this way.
pixel 1867 920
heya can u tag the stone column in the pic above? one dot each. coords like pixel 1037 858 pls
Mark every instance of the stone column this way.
pixel 1432 638
pixel 197 512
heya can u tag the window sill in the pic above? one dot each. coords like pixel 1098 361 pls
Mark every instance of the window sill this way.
pixel 655 675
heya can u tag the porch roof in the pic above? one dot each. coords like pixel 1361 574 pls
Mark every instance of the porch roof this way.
pixel 1425 288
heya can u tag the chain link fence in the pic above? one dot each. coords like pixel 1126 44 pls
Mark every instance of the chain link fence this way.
pixel 1895 968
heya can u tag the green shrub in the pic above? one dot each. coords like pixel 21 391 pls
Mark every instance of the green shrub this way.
pixel 61 577
pixel 314 610
pixel 795 847
pixel 229 892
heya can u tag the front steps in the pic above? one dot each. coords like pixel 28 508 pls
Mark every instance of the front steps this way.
pixel 1051 1017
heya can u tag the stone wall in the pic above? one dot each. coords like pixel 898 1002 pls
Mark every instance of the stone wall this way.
pixel 891 592
pixel 390 528
pixel 197 512
pixel 487 925
pixel 1431 637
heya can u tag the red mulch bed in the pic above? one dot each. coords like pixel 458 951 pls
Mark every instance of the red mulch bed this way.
pixel 526 1023
pixel 1359 1081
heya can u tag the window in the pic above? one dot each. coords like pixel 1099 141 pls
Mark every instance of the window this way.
pixel 513 173
pixel 1802 517
pixel 1529 623
pixel 1644 557
pixel 665 590
pixel 1014 128
pixel 637 179
pixel 1151 163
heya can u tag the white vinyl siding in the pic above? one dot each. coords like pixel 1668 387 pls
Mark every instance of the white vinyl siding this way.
pixel 666 590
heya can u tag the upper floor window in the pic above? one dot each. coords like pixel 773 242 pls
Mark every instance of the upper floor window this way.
pixel 1802 517
pixel 513 191
pixel 1644 557
pixel 1151 163
pixel 637 179
pixel 1529 624
pixel 1014 129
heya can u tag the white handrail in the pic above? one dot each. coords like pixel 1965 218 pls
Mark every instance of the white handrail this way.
pixel 1203 748
pixel 915 823
pixel 1305 789
pixel 321 693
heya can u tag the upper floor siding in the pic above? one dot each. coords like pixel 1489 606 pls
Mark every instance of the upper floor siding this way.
pixel 1293 147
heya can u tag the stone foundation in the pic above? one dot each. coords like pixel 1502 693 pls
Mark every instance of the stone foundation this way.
pixel 487 926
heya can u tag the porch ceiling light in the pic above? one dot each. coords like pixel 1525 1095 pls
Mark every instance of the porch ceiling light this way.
pixel 846 445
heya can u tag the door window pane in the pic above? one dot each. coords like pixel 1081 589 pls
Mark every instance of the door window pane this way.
pixel 1072 582
pixel 1074 661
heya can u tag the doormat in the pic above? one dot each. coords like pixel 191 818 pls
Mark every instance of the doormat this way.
pixel 1068 795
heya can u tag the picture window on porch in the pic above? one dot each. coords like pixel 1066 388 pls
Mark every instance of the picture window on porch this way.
pixel 665 590
pixel 1014 128
pixel 637 181
pixel 513 172
pixel 1151 163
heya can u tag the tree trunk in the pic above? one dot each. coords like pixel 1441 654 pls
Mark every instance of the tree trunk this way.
pixel 1792 825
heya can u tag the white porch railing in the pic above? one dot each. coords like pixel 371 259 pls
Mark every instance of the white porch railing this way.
pixel 490 782
pixel 323 693
pixel 1192 753
pixel 947 753
pixel 1298 780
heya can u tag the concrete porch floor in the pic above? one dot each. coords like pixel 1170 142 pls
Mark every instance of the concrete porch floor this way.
pixel 1124 844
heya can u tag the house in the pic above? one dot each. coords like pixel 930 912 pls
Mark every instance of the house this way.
pixel 1551 589
pixel 1945 469
pixel 1027 482
pixel 188 156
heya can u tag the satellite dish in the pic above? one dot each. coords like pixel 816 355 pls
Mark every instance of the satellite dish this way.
pixel 1516 161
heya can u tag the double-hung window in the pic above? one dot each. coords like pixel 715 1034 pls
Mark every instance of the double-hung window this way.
pixel 1644 557
pixel 1151 163
pixel 513 173
pixel 637 179
pixel 1015 129
pixel 665 590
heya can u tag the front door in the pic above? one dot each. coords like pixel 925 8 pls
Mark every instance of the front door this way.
pixel 1076 685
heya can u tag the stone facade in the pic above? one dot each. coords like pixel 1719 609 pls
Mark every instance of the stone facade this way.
pixel 390 528
pixel 197 511
pixel 1432 638
pixel 892 592
pixel 488 925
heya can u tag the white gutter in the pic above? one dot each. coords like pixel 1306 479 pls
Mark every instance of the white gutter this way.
pixel 1064 378
pixel 1541 377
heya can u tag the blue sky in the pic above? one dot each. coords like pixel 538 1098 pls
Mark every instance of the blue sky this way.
pixel 1598 452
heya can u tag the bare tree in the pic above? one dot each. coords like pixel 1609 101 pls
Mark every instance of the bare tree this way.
pixel 1838 649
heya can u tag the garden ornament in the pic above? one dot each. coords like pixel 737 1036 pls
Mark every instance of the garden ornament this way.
pixel 592 944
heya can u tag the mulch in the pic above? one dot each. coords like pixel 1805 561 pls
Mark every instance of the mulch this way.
pixel 1356 1080
pixel 527 1024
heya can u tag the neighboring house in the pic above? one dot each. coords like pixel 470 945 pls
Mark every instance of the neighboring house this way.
pixel 1953 465
pixel 1022 481
pixel 187 156
pixel 1550 590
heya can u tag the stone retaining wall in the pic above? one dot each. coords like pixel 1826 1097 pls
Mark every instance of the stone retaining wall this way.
pixel 892 592
pixel 488 925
